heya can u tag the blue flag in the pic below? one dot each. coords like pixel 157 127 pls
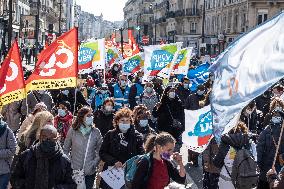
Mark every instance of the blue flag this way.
pixel 198 76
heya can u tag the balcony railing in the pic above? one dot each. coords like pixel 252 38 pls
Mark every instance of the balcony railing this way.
pixel 192 12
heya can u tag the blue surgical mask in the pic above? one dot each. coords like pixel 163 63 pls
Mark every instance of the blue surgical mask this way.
pixel 143 122
pixel 85 130
pixel 149 89
pixel 172 95
pixel 61 112
pixel 65 92
pixel 276 119
pixel 89 121
pixel 186 86
pixel 124 127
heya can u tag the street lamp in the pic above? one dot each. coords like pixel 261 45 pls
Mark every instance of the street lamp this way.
pixel 60 14
pixel 4 18
pixel 121 41
pixel 155 35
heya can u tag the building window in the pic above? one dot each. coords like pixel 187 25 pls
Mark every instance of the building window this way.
pixel 193 27
pixel 261 16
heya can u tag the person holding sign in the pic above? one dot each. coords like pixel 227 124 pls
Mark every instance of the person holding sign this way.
pixel 121 143
pixel 156 172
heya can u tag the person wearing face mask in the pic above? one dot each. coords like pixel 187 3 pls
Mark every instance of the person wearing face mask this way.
pixel 44 165
pixel 141 117
pixel 183 90
pixel 76 142
pixel 63 120
pixel 150 98
pixel 120 92
pixel 263 102
pixel 197 100
pixel 34 98
pixel 266 146
pixel 8 146
pixel 100 96
pixel 68 95
pixel 121 143
pixel 253 118
pixel 275 104
pixel 169 108
pixel 158 171
pixel 136 90
pixel 104 116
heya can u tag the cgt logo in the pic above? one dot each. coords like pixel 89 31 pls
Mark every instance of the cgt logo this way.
pixel 14 74
pixel 48 69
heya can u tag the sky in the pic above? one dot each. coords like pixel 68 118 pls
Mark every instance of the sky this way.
pixel 112 10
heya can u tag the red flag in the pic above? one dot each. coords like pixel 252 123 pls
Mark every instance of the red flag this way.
pixel 12 83
pixel 132 48
pixel 57 66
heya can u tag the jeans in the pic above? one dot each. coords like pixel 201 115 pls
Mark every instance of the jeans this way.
pixel 89 181
pixel 4 181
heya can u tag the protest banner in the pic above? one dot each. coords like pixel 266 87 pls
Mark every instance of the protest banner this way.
pixel 159 59
pixel 183 60
pixel 133 64
pixel 245 70
pixel 114 177
pixel 12 85
pixel 198 129
pixel 198 76
pixel 57 67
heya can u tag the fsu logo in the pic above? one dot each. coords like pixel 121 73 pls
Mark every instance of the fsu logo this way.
pixel 233 86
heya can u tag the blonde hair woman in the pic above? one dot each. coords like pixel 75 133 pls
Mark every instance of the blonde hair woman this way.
pixel 33 131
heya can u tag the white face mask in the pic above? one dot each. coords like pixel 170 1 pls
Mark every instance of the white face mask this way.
pixel 61 112
pixel 276 119
pixel 65 92
pixel 143 122
pixel 123 84
pixel 199 92
pixel 89 121
pixel 172 95
pixel 109 108
pixel 278 108
pixel 186 86
pixel 124 127
pixel 149 89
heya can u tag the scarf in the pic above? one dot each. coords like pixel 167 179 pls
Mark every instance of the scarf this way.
pixel 42 166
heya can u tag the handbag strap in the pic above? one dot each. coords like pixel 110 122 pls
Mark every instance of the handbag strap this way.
pixel 87 149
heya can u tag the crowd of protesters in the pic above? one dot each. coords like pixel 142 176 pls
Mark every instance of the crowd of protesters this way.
pixel 49 138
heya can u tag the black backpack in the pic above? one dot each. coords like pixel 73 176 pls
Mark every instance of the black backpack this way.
pixel 245 171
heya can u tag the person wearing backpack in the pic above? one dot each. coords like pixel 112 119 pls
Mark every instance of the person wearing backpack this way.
pixel 121 143
pixel 155 170
pixel 7 151
pixel 267 142
pixel 230 156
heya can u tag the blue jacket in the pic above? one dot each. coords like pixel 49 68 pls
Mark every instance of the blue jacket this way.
pixel 120 98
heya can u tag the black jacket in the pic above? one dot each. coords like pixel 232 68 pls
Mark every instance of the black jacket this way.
pixel 103 121
pixel 132 95
pixel 163 115
pixel 192 101
pixel 253 121
pixel 143 173
pixel 183 94
pixel 60 172
pixel 266 149
pixel 80 100
pixel 263 103
pixel 113 151
pixel 237 141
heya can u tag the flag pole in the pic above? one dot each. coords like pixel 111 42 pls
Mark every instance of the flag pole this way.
pixel 278 146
